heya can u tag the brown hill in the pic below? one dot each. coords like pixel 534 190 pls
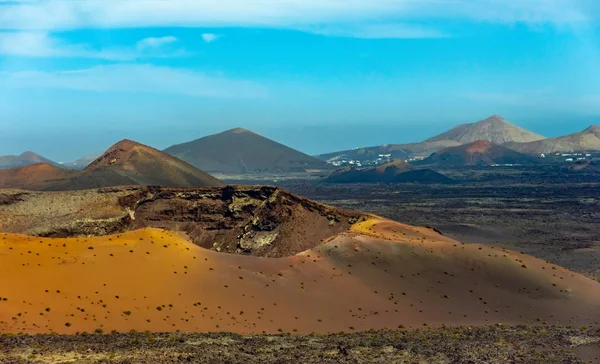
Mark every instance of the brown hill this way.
pixel 393 172
pixel 34 176
pixel 380 274
pixel 125 163
pixel 242 151
pixel 25 159
pixel 148 166
pixel 396 151
pixel 481 152
pixel 495 129
pixel 583 141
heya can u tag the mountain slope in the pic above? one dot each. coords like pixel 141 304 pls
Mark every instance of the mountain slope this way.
pixel 586 140
pixel 393 172
pixel 34 176
pixel 243 151
pixel 481 152
pixel 125 163
pixel 495 129
pixel 396 151
pixel 380 274
pixel 148 166
pixel 25 159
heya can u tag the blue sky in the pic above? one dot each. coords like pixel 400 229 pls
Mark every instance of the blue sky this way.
pixel 320 76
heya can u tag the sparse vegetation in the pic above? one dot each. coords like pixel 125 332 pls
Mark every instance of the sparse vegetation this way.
pixel 545 345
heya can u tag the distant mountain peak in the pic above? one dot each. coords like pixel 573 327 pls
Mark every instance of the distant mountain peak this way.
pixel 26 158
pixel 29 154
pixel 241 151
pixel 495 121
pixel 117 153
pixel 495 129
pixel 593 129
pixel 126 144
pixel 494 118
pixel 145 165
pixel 239 130
pixel 122 152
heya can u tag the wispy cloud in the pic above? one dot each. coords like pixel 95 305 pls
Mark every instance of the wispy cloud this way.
pixel 155 42
pixel 209 37
pixel 135 78
pixel 69 14
pixel 43 44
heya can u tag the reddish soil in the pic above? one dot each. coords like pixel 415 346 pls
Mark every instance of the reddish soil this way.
pixel 380 274
pixel 33 176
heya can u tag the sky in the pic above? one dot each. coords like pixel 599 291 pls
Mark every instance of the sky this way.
pixel 76 76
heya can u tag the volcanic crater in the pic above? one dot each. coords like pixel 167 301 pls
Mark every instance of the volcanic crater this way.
pixel 262 221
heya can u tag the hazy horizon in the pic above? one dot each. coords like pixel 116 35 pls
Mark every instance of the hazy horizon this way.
pixel 318 76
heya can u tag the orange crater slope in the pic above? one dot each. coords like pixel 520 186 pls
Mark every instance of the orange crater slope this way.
pixel 380 274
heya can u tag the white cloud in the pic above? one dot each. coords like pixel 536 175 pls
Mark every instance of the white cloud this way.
pixel 209 37
pixel 134 78
pixel 293 14
pixel 41 44
pixel 155 42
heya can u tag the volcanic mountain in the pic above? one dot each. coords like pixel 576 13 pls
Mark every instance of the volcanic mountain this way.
pixel 481 152
pixel 495 129
pixel 25 159
pixel 240 151
pixel 147 166
pixel 586 140
pixel 125 163
pixel 393 172
pixel 348 272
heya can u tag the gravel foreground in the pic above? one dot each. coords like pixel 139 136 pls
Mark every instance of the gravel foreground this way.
pixel 498 344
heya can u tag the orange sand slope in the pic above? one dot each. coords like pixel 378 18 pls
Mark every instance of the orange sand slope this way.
pixel 381 274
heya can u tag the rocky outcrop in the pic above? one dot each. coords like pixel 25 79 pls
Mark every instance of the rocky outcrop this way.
pixel 261 221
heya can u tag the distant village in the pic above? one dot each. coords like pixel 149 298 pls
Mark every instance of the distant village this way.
pixel 571 157
pixel 341 161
